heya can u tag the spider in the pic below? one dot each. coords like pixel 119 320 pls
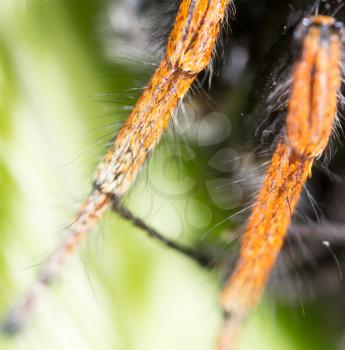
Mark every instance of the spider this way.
pixel 301 117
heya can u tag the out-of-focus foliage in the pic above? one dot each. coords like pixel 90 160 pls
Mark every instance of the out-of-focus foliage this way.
pixel 125 292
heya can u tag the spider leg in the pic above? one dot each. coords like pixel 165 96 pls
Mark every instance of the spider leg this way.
pixel 189 51
pixel 312 108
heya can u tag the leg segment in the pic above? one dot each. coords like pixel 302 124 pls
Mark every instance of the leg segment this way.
pixel 312 108
pixel 189 51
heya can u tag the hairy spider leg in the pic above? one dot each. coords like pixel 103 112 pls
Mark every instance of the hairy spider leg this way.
pixel 312 109
pixel 189 51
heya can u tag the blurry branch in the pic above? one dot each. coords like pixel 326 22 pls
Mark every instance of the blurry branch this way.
pixel 323 231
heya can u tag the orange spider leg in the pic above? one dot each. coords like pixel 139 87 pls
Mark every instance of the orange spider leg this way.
pixel 189 51
pixel 312 108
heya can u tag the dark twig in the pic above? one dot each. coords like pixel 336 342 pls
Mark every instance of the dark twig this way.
pixel 322 231
pixel 199 257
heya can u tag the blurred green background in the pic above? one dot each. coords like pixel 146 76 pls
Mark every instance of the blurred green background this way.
pixel 57 114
